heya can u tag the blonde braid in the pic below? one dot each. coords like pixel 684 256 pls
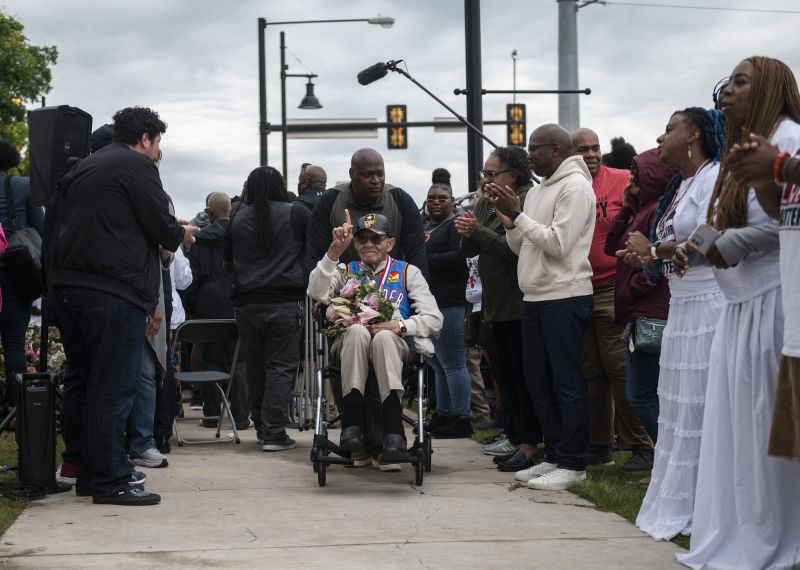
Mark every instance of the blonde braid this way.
pixel 773 95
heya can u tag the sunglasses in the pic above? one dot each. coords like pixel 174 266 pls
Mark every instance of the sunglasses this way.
pixel 374 238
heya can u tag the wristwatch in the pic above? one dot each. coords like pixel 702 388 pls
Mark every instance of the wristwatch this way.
pixel 403 329
pixel 515 215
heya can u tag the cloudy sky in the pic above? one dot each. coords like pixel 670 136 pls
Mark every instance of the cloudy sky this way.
pixel 196 63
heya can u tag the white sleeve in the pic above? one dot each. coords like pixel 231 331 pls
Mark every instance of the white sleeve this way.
pixel 427 319
pixel 325 280
pixel 180 271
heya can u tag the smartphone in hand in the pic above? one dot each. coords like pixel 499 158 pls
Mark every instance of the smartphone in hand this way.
pixel 703 237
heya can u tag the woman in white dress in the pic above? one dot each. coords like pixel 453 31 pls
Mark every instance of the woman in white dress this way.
pixel 691 142
pixel 747 506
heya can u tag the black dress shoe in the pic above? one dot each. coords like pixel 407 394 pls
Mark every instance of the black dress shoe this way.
pixel 498 459
pixel 394 448
pixel 456 428
pixel 518 462
pixel 351 440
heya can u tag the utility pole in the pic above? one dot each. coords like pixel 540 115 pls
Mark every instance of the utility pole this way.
pixel 472 33
pixel 568 107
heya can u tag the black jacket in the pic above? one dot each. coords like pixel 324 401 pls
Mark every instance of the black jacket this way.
pixel 410 244
pixel 447 264
pixel 211 286
pixel 111 220
pixel 275 278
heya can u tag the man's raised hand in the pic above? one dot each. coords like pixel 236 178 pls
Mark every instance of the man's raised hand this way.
pixel 342 238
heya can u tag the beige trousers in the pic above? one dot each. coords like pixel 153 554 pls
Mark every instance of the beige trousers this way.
pixel 387 352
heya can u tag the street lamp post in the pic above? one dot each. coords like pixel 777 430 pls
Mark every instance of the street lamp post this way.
pixel 263 125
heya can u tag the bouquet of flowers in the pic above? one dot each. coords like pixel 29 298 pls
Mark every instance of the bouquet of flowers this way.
pixel 359 302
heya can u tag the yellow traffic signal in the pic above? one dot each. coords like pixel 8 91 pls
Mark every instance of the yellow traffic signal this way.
pixel 396 136
pixel 515 130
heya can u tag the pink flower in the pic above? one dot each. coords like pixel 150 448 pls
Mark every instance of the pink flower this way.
pixel 367 314
pixel 349 288
pixel 371 301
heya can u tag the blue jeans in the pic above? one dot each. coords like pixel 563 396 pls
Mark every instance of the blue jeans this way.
pixel 14 319
pixel 270 335
pixel 450 365
pixel 552 332
pixel 642 388
pixel 103 340
pixel 140 422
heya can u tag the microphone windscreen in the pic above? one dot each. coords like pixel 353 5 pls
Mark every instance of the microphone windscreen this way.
pixel 372 73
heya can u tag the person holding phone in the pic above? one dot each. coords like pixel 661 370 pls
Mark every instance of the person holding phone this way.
pixel 691 142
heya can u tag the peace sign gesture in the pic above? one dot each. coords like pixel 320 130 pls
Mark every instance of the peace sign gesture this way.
pixel 342 238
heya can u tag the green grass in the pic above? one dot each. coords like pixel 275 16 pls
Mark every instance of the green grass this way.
pixel 484 435
pixel 613 490
pixel 11 509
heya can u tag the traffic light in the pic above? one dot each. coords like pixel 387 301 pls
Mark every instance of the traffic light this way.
pixel 515 116
pixel 396 136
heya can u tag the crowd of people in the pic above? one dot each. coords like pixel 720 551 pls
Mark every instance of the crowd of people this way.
pixel 581 308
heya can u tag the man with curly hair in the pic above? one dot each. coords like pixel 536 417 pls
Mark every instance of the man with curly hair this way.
pixel 112 217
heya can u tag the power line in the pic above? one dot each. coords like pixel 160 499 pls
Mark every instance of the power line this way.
pixel 686 7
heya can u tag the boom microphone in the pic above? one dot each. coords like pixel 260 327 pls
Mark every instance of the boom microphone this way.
pixel 372 73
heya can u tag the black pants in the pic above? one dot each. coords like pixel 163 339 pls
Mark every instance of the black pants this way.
pixel 270 336
pixel 14 319
pixel 509 374
pixel 553 332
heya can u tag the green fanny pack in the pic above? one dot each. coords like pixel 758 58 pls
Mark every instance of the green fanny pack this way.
pixel 647 334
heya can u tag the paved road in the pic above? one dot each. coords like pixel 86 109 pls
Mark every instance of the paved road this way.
pixel 229 506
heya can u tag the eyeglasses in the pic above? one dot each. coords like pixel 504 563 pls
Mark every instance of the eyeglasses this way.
pixel 434 199
pixel 492 173
pixel 374 238
pixel 534 147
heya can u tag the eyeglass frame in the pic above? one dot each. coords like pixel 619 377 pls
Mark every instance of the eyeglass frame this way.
pixel 534 147
pixel 492 174
pixel 372 239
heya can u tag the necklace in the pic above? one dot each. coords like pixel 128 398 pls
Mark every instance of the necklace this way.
pixel 430 227
pixel 661 229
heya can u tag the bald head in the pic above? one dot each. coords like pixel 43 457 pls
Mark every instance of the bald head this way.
pixel 317 176
pixel 219 206
pixel 586 143
pixel 548 146
pixel 367 175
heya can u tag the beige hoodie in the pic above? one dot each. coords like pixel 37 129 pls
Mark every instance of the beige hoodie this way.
pixel 553 235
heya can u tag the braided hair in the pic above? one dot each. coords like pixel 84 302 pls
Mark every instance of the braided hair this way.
pixel 711 124
pixel 265 185
pixel 773 94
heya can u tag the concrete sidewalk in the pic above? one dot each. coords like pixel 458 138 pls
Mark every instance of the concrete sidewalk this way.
pixel 234 506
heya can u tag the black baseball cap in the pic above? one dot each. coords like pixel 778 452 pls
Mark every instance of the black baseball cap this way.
pixel 377 223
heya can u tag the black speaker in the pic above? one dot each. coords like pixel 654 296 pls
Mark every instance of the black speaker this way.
pixel 56 134
pixel 36 430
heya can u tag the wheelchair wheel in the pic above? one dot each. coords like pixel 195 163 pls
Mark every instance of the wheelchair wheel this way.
pixel 322 474
pixel 419 472
pixel 428 453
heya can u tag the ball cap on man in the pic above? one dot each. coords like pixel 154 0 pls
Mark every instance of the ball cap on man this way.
pixel 376 223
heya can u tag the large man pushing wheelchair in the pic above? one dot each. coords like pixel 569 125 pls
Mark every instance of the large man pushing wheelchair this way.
pixel 383 345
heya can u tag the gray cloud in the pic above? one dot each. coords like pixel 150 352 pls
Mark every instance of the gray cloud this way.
pixel 196 63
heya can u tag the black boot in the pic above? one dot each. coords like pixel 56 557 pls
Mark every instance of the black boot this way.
pixel 457 428
pixel 351 439
pixel 394 441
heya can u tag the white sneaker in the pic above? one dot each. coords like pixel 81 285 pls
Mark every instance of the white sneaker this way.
pixel 386 467
pixel 557 480
pixel 536 471
pixel 150 458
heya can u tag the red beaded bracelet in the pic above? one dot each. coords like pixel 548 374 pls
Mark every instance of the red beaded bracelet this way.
pixel 776 166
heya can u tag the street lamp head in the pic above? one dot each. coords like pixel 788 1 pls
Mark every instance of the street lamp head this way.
pixel 310 101
pixel 381 21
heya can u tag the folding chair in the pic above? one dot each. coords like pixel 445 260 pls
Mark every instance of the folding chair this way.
pixel 210 331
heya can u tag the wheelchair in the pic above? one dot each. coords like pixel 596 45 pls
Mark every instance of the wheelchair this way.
pixel 324 452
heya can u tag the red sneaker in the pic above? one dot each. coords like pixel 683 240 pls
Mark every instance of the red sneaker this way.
pixel 68 474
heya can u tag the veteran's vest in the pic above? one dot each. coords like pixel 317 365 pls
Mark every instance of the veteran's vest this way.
pixel 391 281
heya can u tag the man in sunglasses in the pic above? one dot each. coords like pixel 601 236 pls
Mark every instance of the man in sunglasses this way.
pixel 382 344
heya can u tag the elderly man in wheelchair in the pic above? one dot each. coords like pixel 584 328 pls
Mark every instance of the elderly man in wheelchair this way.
pixel 383 344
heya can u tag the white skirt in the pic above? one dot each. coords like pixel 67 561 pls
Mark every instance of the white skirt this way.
pixel 685 348
pixel 747 511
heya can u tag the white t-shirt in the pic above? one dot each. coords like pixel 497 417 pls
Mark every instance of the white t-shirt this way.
pixel 692 197
pixel 787 137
